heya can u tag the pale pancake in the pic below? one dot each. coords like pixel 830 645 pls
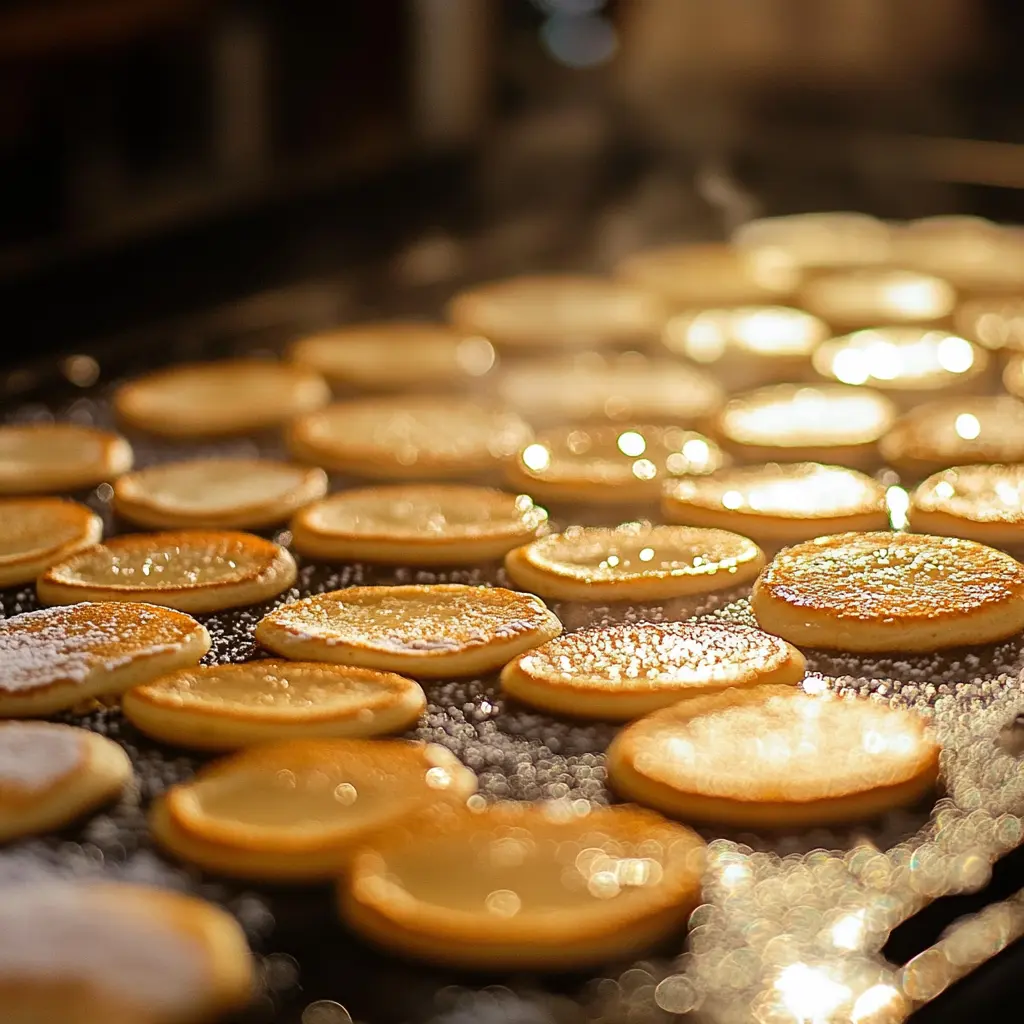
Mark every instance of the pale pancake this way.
pixel 35 533
pixel 557 311
pixel 815 241
pixel 233 396
pixel 432 631
pixel 52 774
pixel 772 756
pixel 747 345
pixel 58 658
pixel 912 360
pixel 622 387
pixel 222 707
pixel 224 493
pixel 396 356
pixel 524 887
pixel 624 671
pixel 293 812
pixel 633 562
pixel 890 592
pixel 982 503
pixel 706 274
pixel 869 297
pixel 408 438
pixel 192 570
pixel 417 524
pixel 606 465
pixel 975 255
pixel 997 322
pixel 793 423
pixel 43 457
pixel 148 954
pixel 777 503
pixel 955 432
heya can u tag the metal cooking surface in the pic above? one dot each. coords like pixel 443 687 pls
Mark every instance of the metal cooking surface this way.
pixel 817 904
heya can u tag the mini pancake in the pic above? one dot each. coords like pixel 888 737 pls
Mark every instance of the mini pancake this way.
pixel 977 256
pixel 957 432
pixel 791 423
pixel 772 756
pixel 223 707
pixel 982 503
pixel 890 592
pixel 150 954
pixel 224 493
pixel 433 631
pixel 710 273
pixel 997 323
pixel 292 812
pixel 747 345
pixel 233 396
pixel 606 465
pixel 417 524
pixel 408 438
pixel 42 457
pixel 816 241
pixel 779 503
pixel 192 570
pixel 396 356
pixel 867 297
pixel 911 360
pixel 37 532
pixel 624 671
pixel 625 387
pixel 633 562
pixel 524 887
pixel 57 658
pixel 52 774
pixel 557 311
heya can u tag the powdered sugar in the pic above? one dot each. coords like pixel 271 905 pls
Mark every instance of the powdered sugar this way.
pixel 35 755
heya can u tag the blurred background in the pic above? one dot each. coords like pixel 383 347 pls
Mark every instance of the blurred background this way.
pixel 160 155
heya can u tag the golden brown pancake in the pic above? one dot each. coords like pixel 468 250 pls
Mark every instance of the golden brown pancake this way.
pixel 793 423
pixel 635 561
pixel 395 356
pixel 58 658
pixel 624 671
pixel 224 707
pixel 606 465
pixel 955 432
pixel 52 774
pixel 417 524
pixel 890 592
pixel 850 300
pixel 708 274
pixel 408 438
pixel 982 503
pixel 431 631
pixel 148 955
pixel 192 570
pixel 524 887
pixel 772 756
pixel 557 311
pixel 777 503
pixel 35 533
pixel 294 811
pixel 222 493
pixel 234 396
pixel 39 458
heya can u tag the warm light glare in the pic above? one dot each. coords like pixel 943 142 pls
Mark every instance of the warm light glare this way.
pixel 897 500
pixel 536 457
pixel 810 994
pixel 875 1001
pixel 631 443
pixel 848 931
pixel 967 426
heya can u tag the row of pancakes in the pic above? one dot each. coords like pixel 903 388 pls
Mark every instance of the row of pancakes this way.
pixel 310 797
